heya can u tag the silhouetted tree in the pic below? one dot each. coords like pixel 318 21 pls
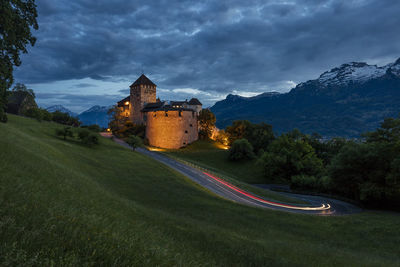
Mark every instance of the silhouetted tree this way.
pixel 16 20
pixel 207 123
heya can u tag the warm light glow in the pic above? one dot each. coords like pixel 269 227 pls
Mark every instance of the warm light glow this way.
pixel 322 207
pixel 108 130
pixel 155 149
pixel 126 103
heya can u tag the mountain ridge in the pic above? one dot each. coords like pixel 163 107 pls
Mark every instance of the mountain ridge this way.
pixel 346 105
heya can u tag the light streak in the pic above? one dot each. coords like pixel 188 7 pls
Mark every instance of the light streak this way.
pixel 322 207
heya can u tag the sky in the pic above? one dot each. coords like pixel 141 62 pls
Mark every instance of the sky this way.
pixel 89 52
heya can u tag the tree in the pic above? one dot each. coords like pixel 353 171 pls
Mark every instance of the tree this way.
pixel 241 149
pixel 134 142
pixel 259 135
pixel 389 131
pixel 64 132
pixel 16 20
pixel 287 157
pixel 87 137
pixel 207 123
pixel 117 120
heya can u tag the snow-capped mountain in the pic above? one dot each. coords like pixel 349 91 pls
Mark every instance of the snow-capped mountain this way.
pixel 95 115
pixel 345 101
pixel 61 109
pixel 355 72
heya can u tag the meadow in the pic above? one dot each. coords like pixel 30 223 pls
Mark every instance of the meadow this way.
pixel 64 203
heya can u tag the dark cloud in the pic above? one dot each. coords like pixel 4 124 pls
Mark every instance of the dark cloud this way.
pixel 214 46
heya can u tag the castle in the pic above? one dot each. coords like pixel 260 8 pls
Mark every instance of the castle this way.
pixel 170 124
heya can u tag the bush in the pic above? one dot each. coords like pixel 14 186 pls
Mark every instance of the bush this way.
pixel 287 157
pixel 134 142
pixel 34 113
pixel 94 128
pixel 65 132
pixel 87 137
pixel 241 149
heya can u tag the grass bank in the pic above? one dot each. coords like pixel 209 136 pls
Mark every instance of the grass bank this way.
pixel 63 203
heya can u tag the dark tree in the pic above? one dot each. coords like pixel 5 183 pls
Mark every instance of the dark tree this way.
pixel 241 149
pixel 16 20
pixel 207 123
pixel 134 142
pixel 64 132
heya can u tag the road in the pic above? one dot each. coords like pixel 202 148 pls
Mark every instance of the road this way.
pixel 317 206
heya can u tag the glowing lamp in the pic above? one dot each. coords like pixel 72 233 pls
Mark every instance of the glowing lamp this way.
pixel 126 103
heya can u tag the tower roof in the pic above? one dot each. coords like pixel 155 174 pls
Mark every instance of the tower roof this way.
pixel 143 80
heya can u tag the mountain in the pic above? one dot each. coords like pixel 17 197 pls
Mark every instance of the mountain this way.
pixel 61 109
pixel 345 101
pixel 95 115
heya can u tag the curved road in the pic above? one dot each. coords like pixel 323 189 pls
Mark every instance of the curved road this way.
pixel 317 206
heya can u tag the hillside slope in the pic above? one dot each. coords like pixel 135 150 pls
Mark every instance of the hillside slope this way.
pixel 345 101
pixel 63 203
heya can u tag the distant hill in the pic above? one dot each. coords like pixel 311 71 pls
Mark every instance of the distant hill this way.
pixel 95 115
pixel 61 109
pixel 344 101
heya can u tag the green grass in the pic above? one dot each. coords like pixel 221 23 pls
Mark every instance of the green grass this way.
pixel 207 154
pixel 66 204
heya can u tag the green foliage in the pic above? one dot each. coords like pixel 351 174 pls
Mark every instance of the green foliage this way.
pixel 35 113
pixel 46 115
pixel 389 131
pixel 287 157
pixel 129 129
pixel 368 172
pixel 64 132
pixel 65 205
pixel 65 118
pixel 134 142
pixel 94 128
pixel 117 121
pixel 241 149
pixel 16 20
pixel 206 123
pixel 259 135
pixel 87 137
pixel 20 100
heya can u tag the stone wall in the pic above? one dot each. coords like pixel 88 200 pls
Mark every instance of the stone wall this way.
pixel 171 129
pixel 141 94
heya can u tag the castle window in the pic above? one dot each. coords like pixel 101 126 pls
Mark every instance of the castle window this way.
pixel 186 131
pixel 191 125
pixel 180 113
pixel 184 143
pixel 166 114
pixel 155 115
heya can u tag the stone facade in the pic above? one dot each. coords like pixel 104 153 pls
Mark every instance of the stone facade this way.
pixel 171 129
pixel 141 94
pixel 169 125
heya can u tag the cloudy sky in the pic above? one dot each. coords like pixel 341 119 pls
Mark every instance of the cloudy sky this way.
pixel 89 52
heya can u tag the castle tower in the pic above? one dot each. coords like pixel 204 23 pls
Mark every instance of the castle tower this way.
pixel 143 91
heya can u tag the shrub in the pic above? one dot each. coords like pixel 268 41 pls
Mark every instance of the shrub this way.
pixel 87 137
pixel 65 132
pixel 34 113
pixel 241 149
pixel 134 142
pixel 94 128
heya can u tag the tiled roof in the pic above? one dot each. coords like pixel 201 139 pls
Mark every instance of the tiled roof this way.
pixel 143 80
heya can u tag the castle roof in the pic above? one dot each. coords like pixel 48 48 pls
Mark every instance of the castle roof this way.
pixel 194 101
pixel 121 103
pixel 143 80
pixel 162 106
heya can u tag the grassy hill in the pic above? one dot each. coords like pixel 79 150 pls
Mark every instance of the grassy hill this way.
pixel 63 203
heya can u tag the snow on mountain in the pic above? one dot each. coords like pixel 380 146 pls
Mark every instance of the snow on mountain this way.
pixel 97 109
pixel 355 72
pixel 61 109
